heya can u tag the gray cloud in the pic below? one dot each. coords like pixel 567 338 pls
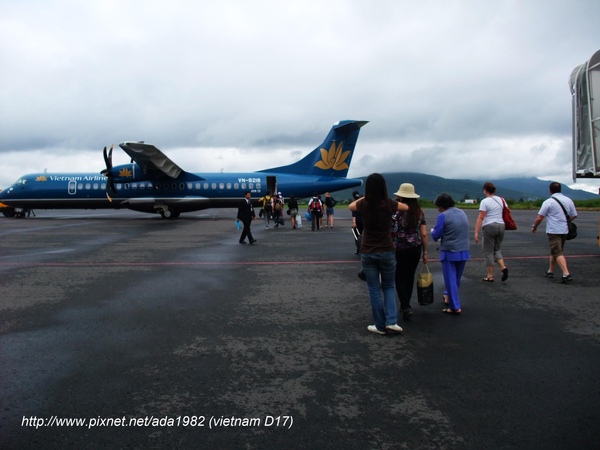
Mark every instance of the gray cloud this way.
pixel 450 88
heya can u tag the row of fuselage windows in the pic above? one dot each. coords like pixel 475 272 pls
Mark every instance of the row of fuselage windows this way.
pixel 170 186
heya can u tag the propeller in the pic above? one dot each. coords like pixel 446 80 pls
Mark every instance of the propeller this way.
pixel 110 182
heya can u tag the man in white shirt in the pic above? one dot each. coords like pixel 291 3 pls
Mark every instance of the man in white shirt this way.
pixel 557 228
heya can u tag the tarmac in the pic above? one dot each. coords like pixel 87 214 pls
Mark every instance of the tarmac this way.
pixel 124 330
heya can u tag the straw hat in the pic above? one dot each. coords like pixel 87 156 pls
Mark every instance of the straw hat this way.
pixel 406 190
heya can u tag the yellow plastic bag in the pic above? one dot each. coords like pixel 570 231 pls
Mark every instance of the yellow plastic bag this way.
pixel 425 286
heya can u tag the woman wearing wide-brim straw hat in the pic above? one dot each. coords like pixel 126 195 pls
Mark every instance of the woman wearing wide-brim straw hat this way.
pixel 409 231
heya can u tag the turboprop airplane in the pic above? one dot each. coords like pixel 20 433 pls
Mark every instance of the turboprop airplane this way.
pixel 153 183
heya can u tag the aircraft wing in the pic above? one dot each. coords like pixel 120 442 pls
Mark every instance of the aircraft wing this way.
pixel 150 159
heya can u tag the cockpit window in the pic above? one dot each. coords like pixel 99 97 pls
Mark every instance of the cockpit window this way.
pixel 21 181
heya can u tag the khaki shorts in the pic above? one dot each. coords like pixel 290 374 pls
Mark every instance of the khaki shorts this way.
pixel 557 243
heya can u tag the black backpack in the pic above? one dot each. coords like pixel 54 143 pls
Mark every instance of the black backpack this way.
pixel 268 206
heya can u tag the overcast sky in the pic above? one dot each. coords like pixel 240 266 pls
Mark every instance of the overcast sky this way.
pixel 454 88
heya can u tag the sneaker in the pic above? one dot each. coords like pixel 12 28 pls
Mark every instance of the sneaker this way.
pixel 395 328
pixel 406 313
pixel 565 279
pixel 549 275
pixel 362 275
pixel 373 329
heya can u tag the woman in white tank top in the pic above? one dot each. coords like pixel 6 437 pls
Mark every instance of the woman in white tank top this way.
pixel 491 222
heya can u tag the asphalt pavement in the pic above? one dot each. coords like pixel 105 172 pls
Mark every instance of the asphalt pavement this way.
pixel 124 330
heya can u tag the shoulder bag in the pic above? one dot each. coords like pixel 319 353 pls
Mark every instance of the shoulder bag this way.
pixel 425 286
pixel 509 222
pixel 572 234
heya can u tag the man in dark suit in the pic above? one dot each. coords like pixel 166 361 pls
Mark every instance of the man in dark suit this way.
pixel 246 215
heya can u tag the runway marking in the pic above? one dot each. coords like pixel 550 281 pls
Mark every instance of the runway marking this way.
pixel 235 263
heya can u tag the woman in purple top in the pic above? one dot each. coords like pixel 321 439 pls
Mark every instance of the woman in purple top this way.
pixel 452 227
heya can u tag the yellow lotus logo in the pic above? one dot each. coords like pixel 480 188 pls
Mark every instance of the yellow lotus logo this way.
pixel 125 173
pixel 41 178
pixel 334 158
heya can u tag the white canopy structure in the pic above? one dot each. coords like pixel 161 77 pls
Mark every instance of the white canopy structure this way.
pixel 585 89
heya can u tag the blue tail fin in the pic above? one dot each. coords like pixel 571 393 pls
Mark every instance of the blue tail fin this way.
pixel 332 158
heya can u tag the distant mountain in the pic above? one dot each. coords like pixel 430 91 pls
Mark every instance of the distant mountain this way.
pixel 430 186
pixel 539 188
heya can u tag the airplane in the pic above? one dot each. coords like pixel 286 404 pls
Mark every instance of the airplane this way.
pixel 153 183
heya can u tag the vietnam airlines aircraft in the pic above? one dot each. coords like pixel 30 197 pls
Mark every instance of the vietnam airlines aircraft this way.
pixel 153 183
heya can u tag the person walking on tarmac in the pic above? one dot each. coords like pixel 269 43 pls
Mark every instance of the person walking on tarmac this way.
pixel 246 215
pixel 277 209
pixel 267 207
pixel 293 210
pixel 555 209
pixel 315 208
pixel 329 209
pixel 377 255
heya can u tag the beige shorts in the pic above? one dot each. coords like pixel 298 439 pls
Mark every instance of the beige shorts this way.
pixel 557 243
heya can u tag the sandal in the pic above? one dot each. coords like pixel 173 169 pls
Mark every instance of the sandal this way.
pixel 549 275
pixel 505 274
pixel 452 311
pixel 445 298
pixel 488 279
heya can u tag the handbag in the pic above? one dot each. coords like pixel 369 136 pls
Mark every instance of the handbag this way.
pixel 572 234
pixel 357 239
pixel 509 222
pixel 425 286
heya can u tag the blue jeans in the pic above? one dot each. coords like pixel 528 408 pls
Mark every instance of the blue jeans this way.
pixel 380 269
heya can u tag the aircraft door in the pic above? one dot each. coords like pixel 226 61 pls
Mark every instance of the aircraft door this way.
pixel 72 187
pixel 272 184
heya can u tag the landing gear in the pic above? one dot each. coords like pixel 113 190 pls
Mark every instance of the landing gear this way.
pixel 167 213
pixel 18 213
pixel 8 212
pixel 22 212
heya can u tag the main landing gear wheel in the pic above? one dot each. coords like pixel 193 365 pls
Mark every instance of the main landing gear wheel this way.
pixel 169 214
